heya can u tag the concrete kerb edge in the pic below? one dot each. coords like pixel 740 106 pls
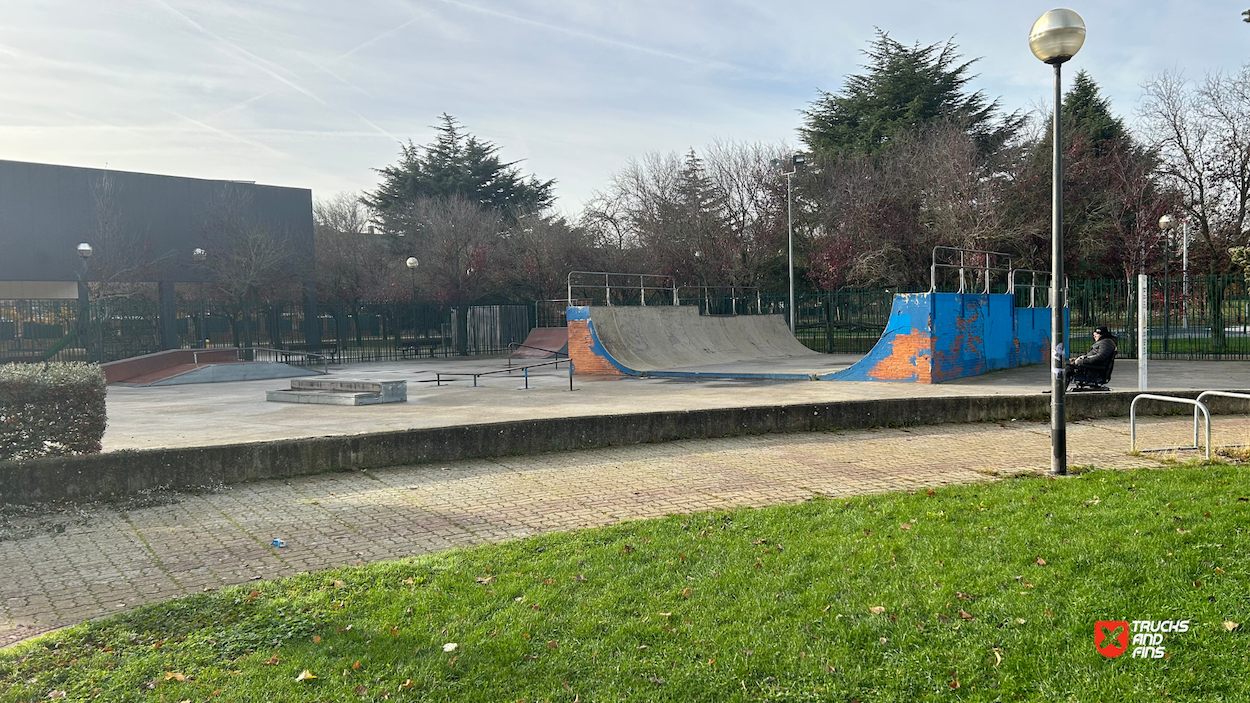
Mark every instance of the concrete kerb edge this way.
pixel 116 474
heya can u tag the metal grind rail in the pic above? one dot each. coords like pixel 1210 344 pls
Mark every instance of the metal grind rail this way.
pixel 517 345
pixel 285 356
pixel 1198 407
pixel 438 376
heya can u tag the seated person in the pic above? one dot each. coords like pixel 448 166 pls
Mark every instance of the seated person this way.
pixel 1098 358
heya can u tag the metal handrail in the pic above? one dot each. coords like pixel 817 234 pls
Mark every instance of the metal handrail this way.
pixel 642 286
pixel 1033 285
pixel 1198 406
pixel 1221 394
pixel 962 266
pixel 733 296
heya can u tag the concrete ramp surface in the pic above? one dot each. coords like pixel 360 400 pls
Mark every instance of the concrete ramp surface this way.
pixel 544 343
pixel 182 366
pixel 678 341
pixel 935 337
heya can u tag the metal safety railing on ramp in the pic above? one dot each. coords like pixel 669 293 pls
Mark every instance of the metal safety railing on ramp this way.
pixel 980 263
pixel 589 283
pixel 1198 407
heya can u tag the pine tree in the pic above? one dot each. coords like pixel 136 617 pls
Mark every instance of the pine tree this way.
pixel 455 164
pixel 905 87
pixel 1087 114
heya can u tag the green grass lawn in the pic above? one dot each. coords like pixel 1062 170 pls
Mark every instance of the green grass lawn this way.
pixel 980 593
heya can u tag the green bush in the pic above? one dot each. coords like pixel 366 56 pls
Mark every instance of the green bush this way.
pixel 51 409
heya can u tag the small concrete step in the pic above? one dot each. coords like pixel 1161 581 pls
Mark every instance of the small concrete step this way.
pixel 327 392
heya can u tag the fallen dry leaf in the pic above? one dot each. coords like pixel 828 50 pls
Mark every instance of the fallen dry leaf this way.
pixel 360 690
pixel 942 617
pixel 1230 625
pixel 963 596
pixel 553 644
pixel 965 614
pixel 579 577
pixel 406 684
pixel 905 526
pixel 356 666
pixel 407 582
pixel 316 639
pixel 450 647
pixel 877 609
pixel 272 660
pixel 175 675
pixel 1040 562
pixel 484 579
pixel 340 584
pixel 686 592
pixel 305 675
pixel 56 694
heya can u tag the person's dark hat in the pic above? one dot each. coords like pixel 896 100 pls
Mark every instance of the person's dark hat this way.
pixel 1104 332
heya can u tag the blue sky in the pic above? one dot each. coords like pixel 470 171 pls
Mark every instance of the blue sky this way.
pixel 316 94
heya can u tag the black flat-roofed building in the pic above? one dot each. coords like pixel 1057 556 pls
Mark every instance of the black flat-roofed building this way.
pixel 141 227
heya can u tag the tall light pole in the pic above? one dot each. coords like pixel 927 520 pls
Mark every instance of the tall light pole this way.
pixel 84 299
pixel 795 161
pixel 412 264
pixel 1056 37
pixel 1167 223
pixel 199 256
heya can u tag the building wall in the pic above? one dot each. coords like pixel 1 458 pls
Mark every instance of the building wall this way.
pixel 47 210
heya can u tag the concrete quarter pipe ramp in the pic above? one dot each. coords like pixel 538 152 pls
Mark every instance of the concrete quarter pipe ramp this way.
pixel 676 341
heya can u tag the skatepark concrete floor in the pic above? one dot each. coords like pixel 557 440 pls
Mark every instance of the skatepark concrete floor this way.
pixel 227 413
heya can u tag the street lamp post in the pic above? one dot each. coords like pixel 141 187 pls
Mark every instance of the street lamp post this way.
pixel 412 263
pixel 1167 223
pixel 795 161
pixel 1056 37
pixel 200 256
pixel 84 299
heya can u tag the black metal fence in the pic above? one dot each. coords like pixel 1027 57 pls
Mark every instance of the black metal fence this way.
pixel 1203 318
pixel 111 329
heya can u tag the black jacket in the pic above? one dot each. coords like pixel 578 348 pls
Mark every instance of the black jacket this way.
pixel 1100 355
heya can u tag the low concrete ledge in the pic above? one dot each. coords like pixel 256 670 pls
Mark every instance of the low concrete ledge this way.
pixel 101 476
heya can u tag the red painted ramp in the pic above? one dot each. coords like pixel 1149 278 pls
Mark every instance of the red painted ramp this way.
pixel 154 367
pixel 544 343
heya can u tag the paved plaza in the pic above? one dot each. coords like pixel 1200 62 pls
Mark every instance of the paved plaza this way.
pixel 225 413
pixel 109 560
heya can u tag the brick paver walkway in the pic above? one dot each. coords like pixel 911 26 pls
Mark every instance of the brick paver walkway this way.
pixel 122 559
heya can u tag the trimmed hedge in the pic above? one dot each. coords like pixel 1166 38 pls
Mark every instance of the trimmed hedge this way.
pixel 51 409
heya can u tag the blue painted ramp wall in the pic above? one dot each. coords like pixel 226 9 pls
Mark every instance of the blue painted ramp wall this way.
pixel 934 337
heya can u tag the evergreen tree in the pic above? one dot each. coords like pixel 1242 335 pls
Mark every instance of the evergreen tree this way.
pixel 456 164
pixel 1086 113
pixel 905 87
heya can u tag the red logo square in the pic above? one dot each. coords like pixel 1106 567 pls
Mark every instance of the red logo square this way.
pixel 1111 637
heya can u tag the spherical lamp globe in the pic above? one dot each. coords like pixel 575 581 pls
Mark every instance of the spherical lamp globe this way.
pixel 1057 36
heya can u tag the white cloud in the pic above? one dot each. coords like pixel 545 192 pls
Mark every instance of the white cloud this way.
pixel 318 94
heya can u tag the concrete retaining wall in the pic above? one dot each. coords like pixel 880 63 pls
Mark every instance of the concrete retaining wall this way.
pixel 101 476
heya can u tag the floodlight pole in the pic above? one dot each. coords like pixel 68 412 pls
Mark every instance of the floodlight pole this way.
pixel 1058 357
pixel 1056 36
pixel 790 240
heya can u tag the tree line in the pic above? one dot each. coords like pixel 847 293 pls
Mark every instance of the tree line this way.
pixel 904 157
